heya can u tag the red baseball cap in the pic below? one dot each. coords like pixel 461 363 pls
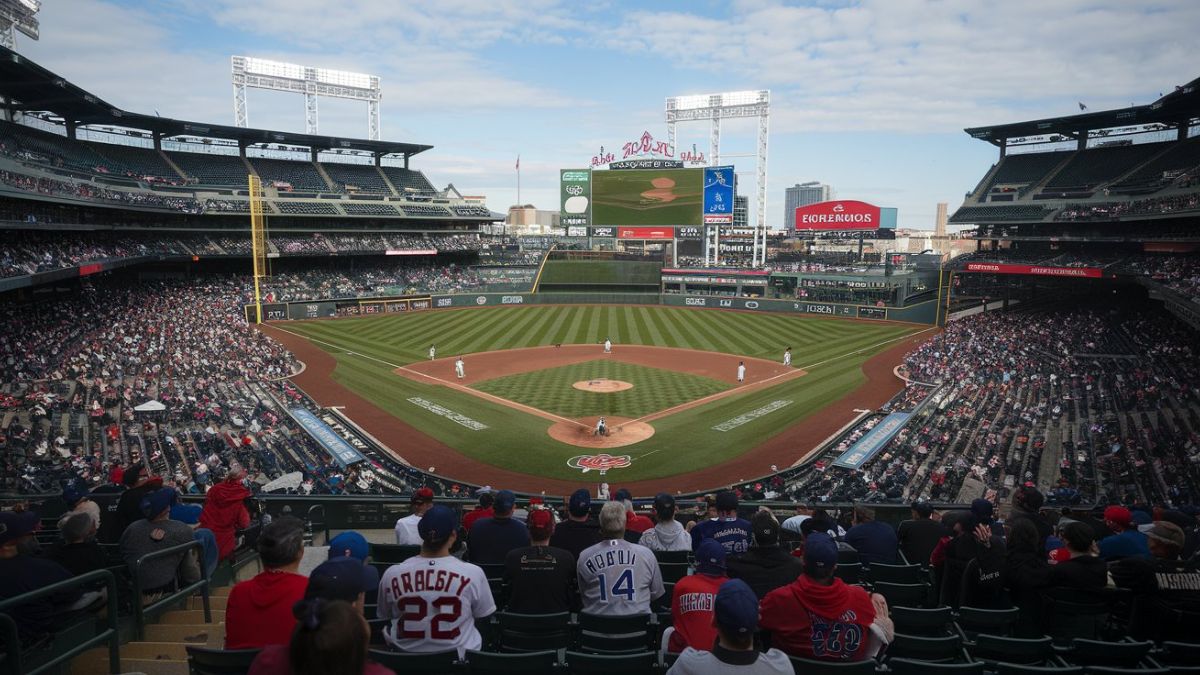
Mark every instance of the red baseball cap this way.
pixel 1119 515
pixel 541 524
pixel 422 496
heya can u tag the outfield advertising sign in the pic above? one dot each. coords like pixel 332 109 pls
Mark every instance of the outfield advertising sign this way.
pixel 645 233
pixel 843 215
pixel 718 195
pixel 576 194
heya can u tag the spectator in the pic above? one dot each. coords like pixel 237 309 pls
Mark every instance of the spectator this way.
pixel 766 566
pixel 617 578
pixel 354 546
pixel 434 599
pixel 330 637
pixel 406 527
pixel 919 536
pixel 341 578
pixel 1128 542
pixel 733 532
pixel 21 572
pixel 667 534
pixel 875 541
pixel 225 510
pixel 1163 586
pixel 259 610
pixel 77 501
pixel 484 510
pixel 1026 574
pixel 490 540
pixel 1083 569
pixel 156 532
pixel 108 498
pixel 794 523
pixel 138 484
pixel 541 578
pixel 634 523
pixel 735 614
pixel 1026 503
pixel 79 553
pixel 819 616
pixel 579 531
pixel 692 601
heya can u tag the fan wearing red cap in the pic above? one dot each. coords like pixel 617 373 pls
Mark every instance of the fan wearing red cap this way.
pixel 1127 542
pixel 541 578
pixel 406 527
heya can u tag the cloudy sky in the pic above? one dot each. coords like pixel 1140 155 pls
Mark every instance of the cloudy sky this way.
pixel 869 96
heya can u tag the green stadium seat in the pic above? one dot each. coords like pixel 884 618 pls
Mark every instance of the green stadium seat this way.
pixel 1104 654
pixel 946 649
pixel 436 663
pixel 902 595
pixel 972 621
pixel 850 573
pixel 580 663
pixel 206 661
pixel 393 553
pixel 912 667
pixel 615 634
pixel 995 648
pixel 929 622
pixel 818 667
pixel 533 632
pixel 531 663
pixel 672 572
pixel 1024 669
pixel 896 574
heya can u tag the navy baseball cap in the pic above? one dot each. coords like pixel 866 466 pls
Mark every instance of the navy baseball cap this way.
pixel 580 503
pixel 349 544
pixel 923 508
pixel 14 525
pixel 437 524
pixel 622 495
pixel 157 501
pixel 710 557
pixel 72 495
pixel 505 499
pixel 726 501
pixel 338 579
pixel 664 504
pixel 820 553
pixel 982 509
pixel 736 607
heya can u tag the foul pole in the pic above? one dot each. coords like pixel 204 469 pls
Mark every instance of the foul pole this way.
pixel 258 241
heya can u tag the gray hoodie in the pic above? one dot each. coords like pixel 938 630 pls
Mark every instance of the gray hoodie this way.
pixel 667 536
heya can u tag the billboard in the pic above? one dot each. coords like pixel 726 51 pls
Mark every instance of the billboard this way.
pixel 575 186
pixel 845 214
pixel 718 195
pixel 648 197
pixel 645 233
pixel 869 445
pixel 998 268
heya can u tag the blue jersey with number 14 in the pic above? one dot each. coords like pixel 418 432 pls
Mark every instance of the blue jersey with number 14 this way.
pixel 617 578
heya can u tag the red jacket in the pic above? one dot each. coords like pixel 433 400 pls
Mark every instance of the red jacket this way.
pixel 692 612
pixel 259 611
pixel 636 523
pixel 806 619
pixel 476 514
pixel 225 513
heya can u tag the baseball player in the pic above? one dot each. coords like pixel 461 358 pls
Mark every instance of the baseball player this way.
pixel 741 371
pixel 787 356
pixel 616 577
pixel 601 427
pixel 433 600
pixel 607 346
pixel 432 352
pixel 459 368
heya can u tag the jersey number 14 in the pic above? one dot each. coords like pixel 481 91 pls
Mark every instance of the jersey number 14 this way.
pixel 622 587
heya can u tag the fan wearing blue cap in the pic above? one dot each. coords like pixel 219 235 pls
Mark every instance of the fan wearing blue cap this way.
pixel 579 530
pixel 432 600
pixel 733 532
pixel 21 572
pixel 692 601
pixel 735 617
pixel 156 532
pixel 354 546
pixel 490 539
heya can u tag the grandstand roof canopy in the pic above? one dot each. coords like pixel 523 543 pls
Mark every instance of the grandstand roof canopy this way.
pixel 30 87
pixel 1175 109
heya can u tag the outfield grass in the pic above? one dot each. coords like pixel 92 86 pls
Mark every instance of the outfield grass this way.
pixel 654 389
pixel 831 350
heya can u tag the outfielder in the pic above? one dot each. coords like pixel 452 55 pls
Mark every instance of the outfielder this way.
pixel 459 368
pixel 787 356
pixel 607 346
pixel 741 371
pixel 432 352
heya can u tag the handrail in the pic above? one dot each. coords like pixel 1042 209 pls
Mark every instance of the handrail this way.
pixel 8 626
pixel 140 610
pixel 309 516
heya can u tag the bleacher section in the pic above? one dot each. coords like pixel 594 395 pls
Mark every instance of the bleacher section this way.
pixel 1016 212
pixel 408 181
pixel 302 176
pixel 356 209
pixel 363 177
pixel 425 210
pixel 471 210
pixel 1158 173
pixel 307 208
pixel 47 148
pixel 1023 170
pixel 1096 166
pixel 208 169
pixel 137 162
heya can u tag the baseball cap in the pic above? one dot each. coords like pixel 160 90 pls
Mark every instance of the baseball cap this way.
pixel 1167 533
pixel 422 496
pixel 133 474
pixel 541 524
pixel 15 525
pixel 982 509
pixel 349 544
pixel 622 495
pixel 1140 517
pixel 73 495
pixel 1119 515
pixel 764 528
pixel 505 499
pixel 923 509
pixel 437 524
pixel 726 501
pixel 157 501
pixel 735 608
pixel 710 557
pixel 820 553
pixel 338 579
pixel 664 505
pixel 580 503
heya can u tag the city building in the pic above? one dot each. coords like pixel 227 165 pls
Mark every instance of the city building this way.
pixel 803 194
pixel 741 211
pixel 527 219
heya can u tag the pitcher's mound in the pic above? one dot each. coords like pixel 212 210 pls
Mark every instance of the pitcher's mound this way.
pixel 621 431
pixel 602 386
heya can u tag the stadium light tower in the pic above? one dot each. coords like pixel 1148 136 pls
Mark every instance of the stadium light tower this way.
pixel 716 107
pixel 249 71
pixel 18 16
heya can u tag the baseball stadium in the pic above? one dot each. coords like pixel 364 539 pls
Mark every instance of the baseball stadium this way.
pixel 227 332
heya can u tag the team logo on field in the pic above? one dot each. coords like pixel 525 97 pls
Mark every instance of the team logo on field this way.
pixel 602 462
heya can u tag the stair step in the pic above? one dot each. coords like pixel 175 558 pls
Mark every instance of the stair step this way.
pixel 219 591
pixel 215 602
pixel 191 616
pixel 149 667
pixel 144 657
pixel 211 634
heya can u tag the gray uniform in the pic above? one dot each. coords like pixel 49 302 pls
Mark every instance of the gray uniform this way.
pixel 617 578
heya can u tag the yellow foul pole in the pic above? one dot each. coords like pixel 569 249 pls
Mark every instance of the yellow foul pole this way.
pixel 258 241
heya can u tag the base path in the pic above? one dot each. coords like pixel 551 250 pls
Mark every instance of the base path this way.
pixel 622 431
pixel 422 450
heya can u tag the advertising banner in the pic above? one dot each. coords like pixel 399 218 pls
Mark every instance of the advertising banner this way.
pixel 604 231
pixel 868 446
pixel 718 195
pixel 576 194
pixel 645 233
pixel 999 268
pixel 845 214
pixel 411 251
pixel 342 452
pixel 577 231
pixel 688 233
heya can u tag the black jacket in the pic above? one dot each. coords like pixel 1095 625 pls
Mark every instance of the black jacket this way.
pixel 764 568
pixel 1084 572
pixel 918 538
pixel 573 536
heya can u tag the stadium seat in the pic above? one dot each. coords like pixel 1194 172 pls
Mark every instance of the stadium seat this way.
pixel 1023 669
pixel 1070 613
pixel 850 573
pixel 912 667
pixel 818 667
pixel 673 556
pixel 902 595
pixel 928 622
pixel 663 602
pixel 972 621
pixel 1104 654
pixel 393 553
pixel 493 570
pixel 672 572
pixel 615 634
pixel 377 627
pixel 944 649
pixel 417 664
pixel 1178 654
pixel 645 663
pixel 896 574
pixel 533 632
pixel 994 649
pixel 207 661
pixel 531 663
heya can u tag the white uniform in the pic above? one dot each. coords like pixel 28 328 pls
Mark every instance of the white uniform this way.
pixel 432 353
pixel 608 346
pixel 741 372
pixel 787 358
pixel 432 604
pixel 406 530
pixel 459 369
pixel 617 578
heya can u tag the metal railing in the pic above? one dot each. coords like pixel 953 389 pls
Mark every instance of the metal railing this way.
pixel 12 662
pixel 316 519
pixel 140 610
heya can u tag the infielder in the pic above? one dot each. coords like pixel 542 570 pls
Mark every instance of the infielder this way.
pixel 741 371
pixel 601 427
pixel 607 346
pixel 787 356
pixel 459 368
pixel 432 352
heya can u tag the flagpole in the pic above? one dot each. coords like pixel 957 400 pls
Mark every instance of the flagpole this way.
pixel 519 180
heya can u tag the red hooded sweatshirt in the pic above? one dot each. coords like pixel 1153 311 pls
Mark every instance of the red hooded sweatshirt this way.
pixel 259 611
pixel 225 513
pixel 806 619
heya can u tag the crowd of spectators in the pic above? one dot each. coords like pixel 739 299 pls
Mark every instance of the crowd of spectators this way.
pixel 369 280
pixel 30 251
pixel 1139 207
pixel 87 190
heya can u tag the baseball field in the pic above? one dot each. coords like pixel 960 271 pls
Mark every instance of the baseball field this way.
pixel 536 378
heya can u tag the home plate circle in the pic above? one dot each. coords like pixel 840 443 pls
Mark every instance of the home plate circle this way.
pixel 581 432
pixel 602 385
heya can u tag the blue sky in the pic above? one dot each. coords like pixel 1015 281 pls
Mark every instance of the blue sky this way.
pixel 869 97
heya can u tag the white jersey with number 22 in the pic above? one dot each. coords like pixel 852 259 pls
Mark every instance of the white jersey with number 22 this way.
pixel 432 604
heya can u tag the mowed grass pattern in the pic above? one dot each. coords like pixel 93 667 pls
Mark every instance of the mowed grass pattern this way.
pixel 654 389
